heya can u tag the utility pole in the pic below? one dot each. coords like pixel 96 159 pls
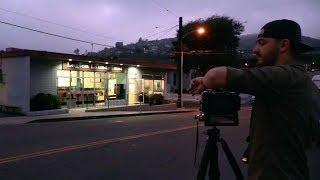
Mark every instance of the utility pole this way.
pixel 180 66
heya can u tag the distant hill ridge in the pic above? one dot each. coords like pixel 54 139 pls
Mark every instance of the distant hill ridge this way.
pixel 161 48
pixel 248 41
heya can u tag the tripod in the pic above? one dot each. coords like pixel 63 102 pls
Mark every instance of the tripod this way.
pixel 210 156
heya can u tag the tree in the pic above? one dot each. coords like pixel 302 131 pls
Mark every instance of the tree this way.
pixel 216 47
pixel 77 51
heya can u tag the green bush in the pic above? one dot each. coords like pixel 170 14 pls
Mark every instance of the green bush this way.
pixel 43 101
pixel 146 98
pixel 156 99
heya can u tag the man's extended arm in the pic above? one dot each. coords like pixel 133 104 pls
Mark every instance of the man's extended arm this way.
pixel 215 78
pixel 265 81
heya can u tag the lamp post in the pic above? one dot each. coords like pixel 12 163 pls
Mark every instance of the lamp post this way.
pixel 200 31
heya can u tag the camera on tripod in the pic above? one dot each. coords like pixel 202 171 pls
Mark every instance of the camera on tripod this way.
pixel 219 108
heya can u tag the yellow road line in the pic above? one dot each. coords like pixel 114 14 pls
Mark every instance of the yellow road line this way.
pixel 87 145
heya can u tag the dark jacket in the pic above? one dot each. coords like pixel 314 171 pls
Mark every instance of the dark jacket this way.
pixel 284 119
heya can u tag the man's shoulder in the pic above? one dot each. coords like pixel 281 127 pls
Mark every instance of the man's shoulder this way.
pixel 288 69
pixel 284 69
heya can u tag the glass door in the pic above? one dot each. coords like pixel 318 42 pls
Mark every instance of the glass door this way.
pixel 88 89
pixel 76 86
pixel 100 88
pixel 63 87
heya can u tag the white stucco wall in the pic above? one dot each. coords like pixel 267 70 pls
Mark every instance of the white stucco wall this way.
pixel 16 88
pixel 134 73
pixel 43 74
pixel 134 84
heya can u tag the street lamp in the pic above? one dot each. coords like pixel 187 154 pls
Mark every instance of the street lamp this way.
pixel 200 31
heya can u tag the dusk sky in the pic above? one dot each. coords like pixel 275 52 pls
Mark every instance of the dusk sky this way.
pixel 109 21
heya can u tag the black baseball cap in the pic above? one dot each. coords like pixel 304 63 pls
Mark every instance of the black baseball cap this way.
pixel 285 29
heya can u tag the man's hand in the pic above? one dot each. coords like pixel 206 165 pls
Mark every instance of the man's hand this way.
pixel 214 78
pixel 196 86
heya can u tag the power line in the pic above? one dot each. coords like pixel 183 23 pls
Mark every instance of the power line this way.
pixel 167 10
pixel 163 26
pixel 164 34
pixel 56 35
pixel 168 29
pixel 162 7
pixel 57 24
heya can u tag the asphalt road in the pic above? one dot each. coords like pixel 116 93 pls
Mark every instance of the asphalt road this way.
pixel 128 148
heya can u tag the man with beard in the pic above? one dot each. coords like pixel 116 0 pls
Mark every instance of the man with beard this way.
pixel 284 121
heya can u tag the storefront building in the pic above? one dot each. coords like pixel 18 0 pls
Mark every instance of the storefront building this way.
pixel 79 81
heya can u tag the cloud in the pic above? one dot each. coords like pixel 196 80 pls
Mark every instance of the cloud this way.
pixel 127 20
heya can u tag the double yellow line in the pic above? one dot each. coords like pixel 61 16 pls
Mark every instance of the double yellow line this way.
pixel 87 145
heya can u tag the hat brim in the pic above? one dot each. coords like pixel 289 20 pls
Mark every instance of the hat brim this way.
pixel 303 48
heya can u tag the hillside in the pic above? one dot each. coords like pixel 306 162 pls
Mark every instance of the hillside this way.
pixel 247 41
pixel 161 49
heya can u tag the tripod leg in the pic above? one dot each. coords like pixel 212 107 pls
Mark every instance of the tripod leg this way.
pixel 214 173
pixel 231 160
pixel 204 162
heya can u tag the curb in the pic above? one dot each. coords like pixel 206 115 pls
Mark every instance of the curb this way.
pixel 107 116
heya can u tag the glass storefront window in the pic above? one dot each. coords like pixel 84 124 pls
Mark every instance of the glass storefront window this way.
pixel 121 78
pixel 100 87
pixel 158 85
pixel 111 87
pixel 63 82
pixel 63 73
pixel 99 80
pixel 76 90
pixel 88 74
pixel 86 88
pixel 88 82
pixel 148 86
pixel 76 83
pixel 63 89
pixel 76 74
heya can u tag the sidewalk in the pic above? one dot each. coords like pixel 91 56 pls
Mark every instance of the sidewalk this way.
pixel 192 104
pixel 81 114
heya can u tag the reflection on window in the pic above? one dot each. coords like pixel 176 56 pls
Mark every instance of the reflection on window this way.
pixel 88 82
pixel 99 83
pixel 111 87
pixel 148 86
pixel 88 74
pixel 63 73
pixel 76 83
pixel 158 86
pixel 63 82
pixel 76 74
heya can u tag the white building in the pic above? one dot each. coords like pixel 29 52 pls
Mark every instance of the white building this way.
pixel 79 81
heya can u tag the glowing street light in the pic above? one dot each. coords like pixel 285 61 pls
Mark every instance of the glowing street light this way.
pixel 201 30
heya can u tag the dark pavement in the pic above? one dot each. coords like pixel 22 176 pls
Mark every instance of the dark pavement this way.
pixel 129 148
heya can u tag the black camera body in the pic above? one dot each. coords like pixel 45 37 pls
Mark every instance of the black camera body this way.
pixel 219 108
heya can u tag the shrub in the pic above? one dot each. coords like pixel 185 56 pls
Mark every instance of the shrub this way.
pixel 146 98
pixel 43 101
pixel 156 99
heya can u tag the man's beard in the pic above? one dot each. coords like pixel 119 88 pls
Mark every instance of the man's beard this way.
pixel 269 59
